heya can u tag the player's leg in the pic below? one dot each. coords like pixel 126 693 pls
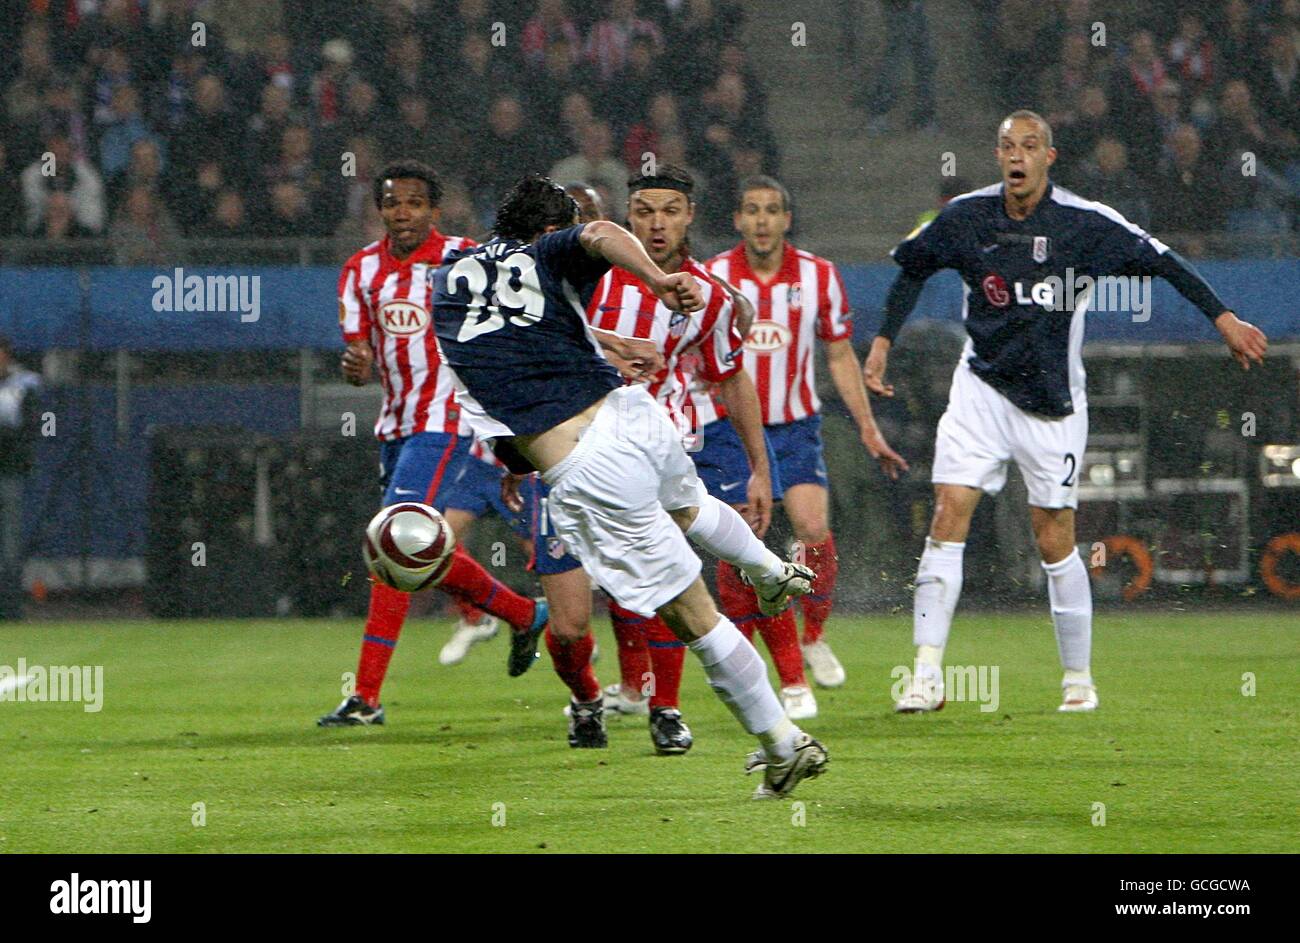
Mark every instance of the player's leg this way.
pixel 607 504
pixel 1049 452
pixel 807 507
pixel 414 466
pixel 738 676
pixel 781 635
pixel 570 642
pixel 970 458
pixel 801 464
pixel 1070 594
pixel 715 526
pixel 470 583
pixel 668 732
pixel 473 625
pixel 938 587
pixel 724 469
pixel 632 694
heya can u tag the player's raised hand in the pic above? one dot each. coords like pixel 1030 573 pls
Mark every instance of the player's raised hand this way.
pixel 873 371
pixel 357 361
pixel 890 461
pixel 679 292
pixel 1246 342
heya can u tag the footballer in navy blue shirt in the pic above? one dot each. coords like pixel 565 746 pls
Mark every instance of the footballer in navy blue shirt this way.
pixel 1022 248
pixel 532 381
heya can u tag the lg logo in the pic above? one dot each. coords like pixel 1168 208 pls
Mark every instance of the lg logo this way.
pixel 999 295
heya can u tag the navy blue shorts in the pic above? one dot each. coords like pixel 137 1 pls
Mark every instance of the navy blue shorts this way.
pixel 550 557
pixel 421 467
pixel 477 490
pixel 724 467
pixel 799 454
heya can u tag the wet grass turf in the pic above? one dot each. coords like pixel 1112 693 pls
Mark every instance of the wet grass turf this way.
pixel 223 713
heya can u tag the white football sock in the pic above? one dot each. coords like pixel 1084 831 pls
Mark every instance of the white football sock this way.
pixel 938 587
pixel 721 531
pixel 738 675
pixel 929 662
pixel 1071 598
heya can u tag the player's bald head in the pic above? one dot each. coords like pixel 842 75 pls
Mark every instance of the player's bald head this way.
pixel 1024 114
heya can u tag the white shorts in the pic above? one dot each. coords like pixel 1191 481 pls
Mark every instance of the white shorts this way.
pixel 982 430
pixel 610 499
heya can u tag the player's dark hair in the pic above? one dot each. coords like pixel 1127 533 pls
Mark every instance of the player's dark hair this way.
pixel 1028 115
pixel 6 345
pixel 762 182
pixel 532 204
pixel 406 169
pixel 665 177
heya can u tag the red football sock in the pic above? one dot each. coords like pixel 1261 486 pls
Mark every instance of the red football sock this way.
pixel 466 579
pixel 817 604
pixel 667 653
pixel 572 662
pixel 738 602
pixel 388 608
pixel 780 633
pixel 633 656
pixel 469 612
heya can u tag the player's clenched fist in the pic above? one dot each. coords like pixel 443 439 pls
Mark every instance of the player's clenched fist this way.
pixel 679 292
pixel 356 362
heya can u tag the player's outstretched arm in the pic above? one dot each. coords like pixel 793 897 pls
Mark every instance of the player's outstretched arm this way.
pixel 898 305
pixel 843 364
pixel 1246 342
pixel 746 416
pixel 617 246
pixel 744 310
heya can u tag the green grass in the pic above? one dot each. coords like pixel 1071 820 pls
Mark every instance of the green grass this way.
pixel 223 713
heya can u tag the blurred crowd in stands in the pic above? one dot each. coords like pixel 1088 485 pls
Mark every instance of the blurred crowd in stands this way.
pixel 197 118
pixel 175 118
pixel 1190 126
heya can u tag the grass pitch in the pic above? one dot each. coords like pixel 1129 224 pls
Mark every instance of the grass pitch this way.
pixel 222 713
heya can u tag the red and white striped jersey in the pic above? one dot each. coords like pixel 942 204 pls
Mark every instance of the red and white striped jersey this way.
pixel 806 297
pixel 388 301
pixel 703 344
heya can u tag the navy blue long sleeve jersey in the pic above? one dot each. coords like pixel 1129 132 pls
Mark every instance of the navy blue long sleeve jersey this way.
pixel 510 322
pixel 1025 339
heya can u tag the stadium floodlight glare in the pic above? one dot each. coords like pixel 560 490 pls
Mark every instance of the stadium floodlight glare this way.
pixel 1279 466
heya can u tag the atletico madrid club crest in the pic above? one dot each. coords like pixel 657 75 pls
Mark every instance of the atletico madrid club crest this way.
pixel 1040 248
pixel 796 296
pixel 555 547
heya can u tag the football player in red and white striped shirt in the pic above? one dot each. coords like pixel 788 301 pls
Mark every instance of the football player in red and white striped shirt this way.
pixel 798 299
pixel 703 345
pixel 384 314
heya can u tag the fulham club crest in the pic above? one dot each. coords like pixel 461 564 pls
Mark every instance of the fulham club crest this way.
pixel 1040 248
